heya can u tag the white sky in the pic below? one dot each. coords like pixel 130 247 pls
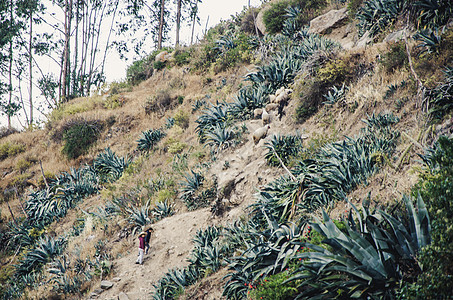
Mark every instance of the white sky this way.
pixel 216 10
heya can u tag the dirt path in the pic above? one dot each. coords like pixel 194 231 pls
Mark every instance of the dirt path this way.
pixel 171 242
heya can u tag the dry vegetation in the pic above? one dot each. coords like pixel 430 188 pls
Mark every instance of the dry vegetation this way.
pixel 171 93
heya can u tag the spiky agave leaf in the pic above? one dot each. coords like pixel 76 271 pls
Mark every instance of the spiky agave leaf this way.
pixel 368 260
pixel 149 139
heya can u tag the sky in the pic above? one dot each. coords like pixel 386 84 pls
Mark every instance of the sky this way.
pixel 216 10
pixel 211 12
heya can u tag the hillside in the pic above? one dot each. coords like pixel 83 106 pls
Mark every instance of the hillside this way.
pixel 346 193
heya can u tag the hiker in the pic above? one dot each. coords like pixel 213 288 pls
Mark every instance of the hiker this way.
pixel 141 247
pixel 147 238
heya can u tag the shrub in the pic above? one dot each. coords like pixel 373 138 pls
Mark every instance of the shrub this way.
pixel 9 150
pixel 181 119
pixel 395 57
pixel 436 188
pixel 23 164
pixel 182 57
pixel 159 65
pixel 274 16
pixel 159 102
pixel 79 136
pixel 376 15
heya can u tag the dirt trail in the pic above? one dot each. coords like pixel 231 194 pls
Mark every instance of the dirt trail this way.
pixel 171 242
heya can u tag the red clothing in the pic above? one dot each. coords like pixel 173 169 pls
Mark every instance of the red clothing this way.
pixel 142 242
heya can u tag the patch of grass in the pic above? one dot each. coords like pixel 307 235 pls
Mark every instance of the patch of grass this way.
pixel 182 57
pixel 9 150
pixel 24 163
pixel 113 101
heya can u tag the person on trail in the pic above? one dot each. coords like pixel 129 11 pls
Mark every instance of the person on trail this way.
pixel 141 247
pixel 147 238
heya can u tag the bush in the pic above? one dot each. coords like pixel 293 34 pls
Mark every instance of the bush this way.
pixel 140 70
pixel 8 150
pixel 274 17
pixel 159 65
pixel 436 188
pixel 395 58
pixel 79 136
pixel 160 102
pixel 182 57
pixel 181 119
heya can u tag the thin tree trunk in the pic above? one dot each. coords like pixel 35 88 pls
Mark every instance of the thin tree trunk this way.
pixel 161 24
pixel 193 28
pixel 10 68
pixel 178 23
pixel 66 52
pixel 76 50
pixel 30 65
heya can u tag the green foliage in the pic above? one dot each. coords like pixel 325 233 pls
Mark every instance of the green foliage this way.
pixel 159 65
pixel 109 166
pixel 9 150
pixel 79 136
pixel 287 147
pixel 353 6
pixel 433 13
pixel 436 188
pixel 395 58
pixel 149 139
pixel 182 119
pixel 182 57
pixel 163 209
pixel 429 41
pixel 141 69
pixel 335 95
pixel 377 15
pixel 194 192
pixel 117 87
pixel 375 253
pixel 274 18
pixel 440 98
pixel 275 287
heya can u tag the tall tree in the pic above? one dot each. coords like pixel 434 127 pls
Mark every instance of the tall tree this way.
pixel 161 24
pixel 178 21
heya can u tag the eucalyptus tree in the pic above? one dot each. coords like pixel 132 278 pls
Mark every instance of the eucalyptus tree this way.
pixel 186 9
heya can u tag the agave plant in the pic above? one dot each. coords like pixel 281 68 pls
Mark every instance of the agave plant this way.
pixel 335 94
pixel 219 137
pixel 169 286
pixel 429 41
pixel 285 146
pixel 149 139
pixel 162 210
pixel 369 258
pixel 440 98
pixel 46 249
pixel 268 254
pixel 433 13
pixel 109 166
pixel 212 116
pixel 139 217
pixel 376 15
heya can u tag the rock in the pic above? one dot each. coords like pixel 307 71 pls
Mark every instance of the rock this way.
pixel 161 56
pixel 105 284
pixel 123 296
pixel 272 98
pixel 396 36
pixel 260 22
pixel 96 293
pixel 324 23
pixel 116 279
pixel 364 40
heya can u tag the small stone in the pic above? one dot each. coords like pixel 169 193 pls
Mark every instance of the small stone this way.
pixel 123 296
pixel 116 279
pixel 105 284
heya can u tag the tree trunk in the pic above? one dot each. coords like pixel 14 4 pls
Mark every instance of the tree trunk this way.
pixel 66 52
pixel 193 28
pixel 10 68
pixel 178 23
pixel 161 24
pixel 30 65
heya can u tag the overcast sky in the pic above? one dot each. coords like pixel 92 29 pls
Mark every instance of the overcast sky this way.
pixel 216 10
